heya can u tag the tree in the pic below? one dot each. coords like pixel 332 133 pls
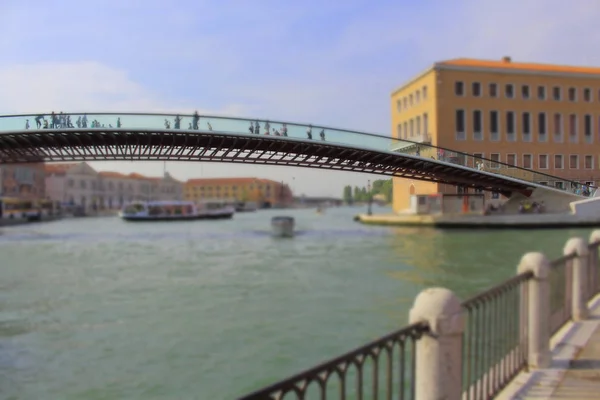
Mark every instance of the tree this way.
pixel 348 199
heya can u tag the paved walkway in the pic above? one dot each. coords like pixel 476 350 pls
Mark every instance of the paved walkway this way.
pixel 575 370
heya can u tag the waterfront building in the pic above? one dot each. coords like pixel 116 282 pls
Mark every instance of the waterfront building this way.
pixel 264 192
pixel 536 116
pixel 25 181
pixel 80 184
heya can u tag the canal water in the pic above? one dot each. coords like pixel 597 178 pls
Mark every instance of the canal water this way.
pixel 97 308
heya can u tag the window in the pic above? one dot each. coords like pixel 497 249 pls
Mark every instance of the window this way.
pixel 418 97
pixel 572 94
pixel 542 130
pixel 405 100
pixel 510 126
pixel 587 128
pixel 525 91
pixel 573 128
pixel 526 128
pixel 527 161
pixel 541 92
pixel 425 124
pixel 574 161
pixel 587 94
pixel 411 99
pixel 418 126
pixel 493 90
pixel 424 92
pixel 556 93
pixel 511 159
pixel 399 105
pixel 476 89
pixel 412 127
pixel 588 162
pixel 494 131
pixel 477 124
pixel 460 125
pixel 558 161
pixel 405 130
pixel 495 157
pixel 399 131
pixel 459 88
pixel 558 127
pixel 509 91
pixel 543 161
pixel 559 185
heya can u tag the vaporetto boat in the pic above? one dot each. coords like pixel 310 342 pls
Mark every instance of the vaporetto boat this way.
pixel 175 211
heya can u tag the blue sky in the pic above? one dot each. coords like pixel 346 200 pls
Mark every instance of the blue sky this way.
pixel 330 63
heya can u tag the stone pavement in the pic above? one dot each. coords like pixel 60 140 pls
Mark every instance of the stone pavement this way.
pixel 575 370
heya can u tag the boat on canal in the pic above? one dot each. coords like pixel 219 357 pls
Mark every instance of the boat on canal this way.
pixel 174 210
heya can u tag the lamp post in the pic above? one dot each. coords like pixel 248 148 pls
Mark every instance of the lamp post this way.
pixel 369 198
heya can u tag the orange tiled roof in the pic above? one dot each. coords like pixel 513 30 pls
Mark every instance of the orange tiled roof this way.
pixel 58 168
pixel 511 65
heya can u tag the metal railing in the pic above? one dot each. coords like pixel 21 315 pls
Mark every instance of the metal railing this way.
pixel 494 344
pixel 471 352
pixel 392 356
pixel 242 125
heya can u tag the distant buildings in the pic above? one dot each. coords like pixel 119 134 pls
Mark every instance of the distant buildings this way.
pixel 79 184
pixel 22 180
pixel 265 192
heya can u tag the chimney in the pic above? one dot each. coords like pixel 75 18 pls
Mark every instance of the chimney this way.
pixel 506 59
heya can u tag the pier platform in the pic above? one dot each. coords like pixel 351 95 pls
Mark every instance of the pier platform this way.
pixel 478 221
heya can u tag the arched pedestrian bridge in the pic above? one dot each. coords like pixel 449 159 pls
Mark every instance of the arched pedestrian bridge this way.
pixel 127 136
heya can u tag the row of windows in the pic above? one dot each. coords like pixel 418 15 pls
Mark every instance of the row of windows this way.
pixel 559 161
pixel 412 99
pixel 98 185
pixel 527 123
pixel 509 92
pixel 416 126
pixel 224 188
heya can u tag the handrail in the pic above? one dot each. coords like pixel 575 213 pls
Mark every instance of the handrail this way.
pixel 303 125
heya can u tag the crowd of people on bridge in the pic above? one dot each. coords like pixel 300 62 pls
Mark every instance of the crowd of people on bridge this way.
pixel 64 121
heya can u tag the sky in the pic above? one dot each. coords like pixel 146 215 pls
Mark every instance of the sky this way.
pixel 326 63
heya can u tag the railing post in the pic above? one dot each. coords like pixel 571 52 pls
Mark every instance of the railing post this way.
pixel 593 265
pixel 538 309
pixel 579 277
pixel 438 372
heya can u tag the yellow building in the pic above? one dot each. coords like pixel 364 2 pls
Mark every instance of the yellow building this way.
pixel 535 116
pixel 264 192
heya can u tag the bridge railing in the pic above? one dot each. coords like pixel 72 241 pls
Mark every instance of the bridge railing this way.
pixel 467 350
pixel 250 126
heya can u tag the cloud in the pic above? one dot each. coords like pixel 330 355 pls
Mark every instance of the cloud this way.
pixel 84 86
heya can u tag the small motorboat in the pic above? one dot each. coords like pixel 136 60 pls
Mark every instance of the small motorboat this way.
pixel 282 226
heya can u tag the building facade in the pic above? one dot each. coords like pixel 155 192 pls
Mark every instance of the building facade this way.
pixel 540 117
pixel 264 192
pixel 81 185
pixel 25 181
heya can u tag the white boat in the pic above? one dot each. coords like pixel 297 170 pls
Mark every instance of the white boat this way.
pixel 246 206
pixel 215 210
pixel 282 226
pixel 174 211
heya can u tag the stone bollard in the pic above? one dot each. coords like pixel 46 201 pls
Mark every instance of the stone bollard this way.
pixel 438 372
pixel 579 277
pixel 538 309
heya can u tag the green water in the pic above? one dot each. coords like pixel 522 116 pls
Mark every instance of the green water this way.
pixel 103 309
